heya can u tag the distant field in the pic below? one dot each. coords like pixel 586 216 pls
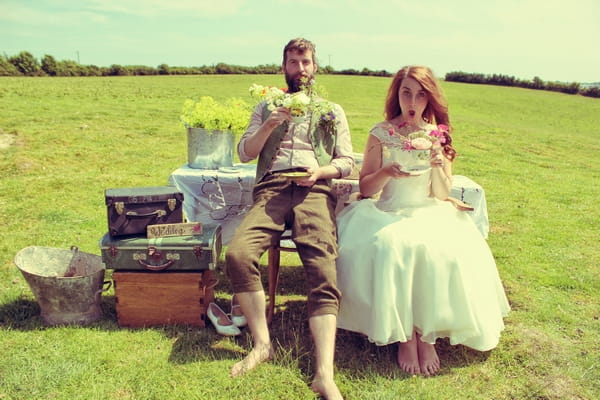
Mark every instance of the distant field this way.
pixel 64 140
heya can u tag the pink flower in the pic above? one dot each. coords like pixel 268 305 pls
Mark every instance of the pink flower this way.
pixel 435 133
pixel 421 143
pixel 391 131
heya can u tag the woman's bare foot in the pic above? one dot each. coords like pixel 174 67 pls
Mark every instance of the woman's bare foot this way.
pixel 408 356
pixel 326 388
pixel 257 355
pixel 428 358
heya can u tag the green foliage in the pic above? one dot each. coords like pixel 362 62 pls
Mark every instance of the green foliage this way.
pixel 64 140
pixel 504 80
pixel 7 68
pixel 26 63
pixel 233 115
pixel 593 91
pixel 49 65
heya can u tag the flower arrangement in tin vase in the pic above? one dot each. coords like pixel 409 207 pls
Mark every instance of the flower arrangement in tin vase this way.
pixel 231 115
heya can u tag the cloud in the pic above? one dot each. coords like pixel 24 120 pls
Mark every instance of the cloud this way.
pixel 154 8
pixel 25 14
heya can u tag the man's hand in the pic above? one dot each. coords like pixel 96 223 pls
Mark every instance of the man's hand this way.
pixel 309 180
pixel 277 117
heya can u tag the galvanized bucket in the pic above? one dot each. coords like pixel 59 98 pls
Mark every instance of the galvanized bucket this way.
pixel 67 284
pixel 210 149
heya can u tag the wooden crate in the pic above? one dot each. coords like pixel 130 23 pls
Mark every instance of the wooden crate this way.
pixel 162 298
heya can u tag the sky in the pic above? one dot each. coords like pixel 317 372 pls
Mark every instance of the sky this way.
pixel 554 40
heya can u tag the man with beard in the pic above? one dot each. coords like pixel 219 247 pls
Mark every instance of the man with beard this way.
pixel 305 206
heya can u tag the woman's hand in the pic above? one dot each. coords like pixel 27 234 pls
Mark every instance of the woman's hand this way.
pixel 437 158
pixel 394 170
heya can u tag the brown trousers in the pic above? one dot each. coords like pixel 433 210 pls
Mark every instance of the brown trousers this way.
pixel 310 214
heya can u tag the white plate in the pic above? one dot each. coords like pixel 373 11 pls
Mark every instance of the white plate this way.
pixel 229 170
pixel 416 170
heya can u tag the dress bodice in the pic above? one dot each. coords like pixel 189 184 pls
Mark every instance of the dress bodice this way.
pixel 412 191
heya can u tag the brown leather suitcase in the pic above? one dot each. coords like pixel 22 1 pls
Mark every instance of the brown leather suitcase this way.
pixel 149 299
pixel 131 210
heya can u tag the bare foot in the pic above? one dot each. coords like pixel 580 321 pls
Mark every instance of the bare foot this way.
pixel 408 356
pixel 257 356
pixel 428 358
pixel 326 388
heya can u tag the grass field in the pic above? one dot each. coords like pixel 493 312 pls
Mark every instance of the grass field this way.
pixel 64 140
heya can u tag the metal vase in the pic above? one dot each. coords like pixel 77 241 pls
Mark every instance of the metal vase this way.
pixel 210 149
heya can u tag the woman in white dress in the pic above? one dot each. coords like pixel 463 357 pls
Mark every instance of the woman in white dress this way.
pixel 412 268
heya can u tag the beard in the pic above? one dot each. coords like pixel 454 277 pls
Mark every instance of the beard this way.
pixel 296 84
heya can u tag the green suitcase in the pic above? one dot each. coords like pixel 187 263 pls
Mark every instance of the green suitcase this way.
pixel 176 253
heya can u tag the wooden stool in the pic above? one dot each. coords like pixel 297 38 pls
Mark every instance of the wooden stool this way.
pixel 284 244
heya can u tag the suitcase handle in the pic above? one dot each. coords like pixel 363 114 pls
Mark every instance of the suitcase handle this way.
pixel 158 213
pixel 156 267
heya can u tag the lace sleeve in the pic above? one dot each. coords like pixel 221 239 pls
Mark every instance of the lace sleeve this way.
pixel 382 131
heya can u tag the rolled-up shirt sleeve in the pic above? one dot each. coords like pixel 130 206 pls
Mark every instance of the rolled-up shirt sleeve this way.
pixel 343 159
pixel 255 123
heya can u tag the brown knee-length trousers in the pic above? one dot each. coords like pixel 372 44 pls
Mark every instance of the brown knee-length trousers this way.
pixel 310 214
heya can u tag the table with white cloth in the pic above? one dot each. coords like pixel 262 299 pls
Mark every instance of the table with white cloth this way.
pixel 223 196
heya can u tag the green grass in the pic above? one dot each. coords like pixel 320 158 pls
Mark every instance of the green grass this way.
pixel 534 152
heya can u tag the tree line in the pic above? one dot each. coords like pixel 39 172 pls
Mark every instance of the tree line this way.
pixel 25 64
pixel 535 83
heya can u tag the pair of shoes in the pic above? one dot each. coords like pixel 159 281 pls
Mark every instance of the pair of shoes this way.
pixel 238 319
pixel 221 321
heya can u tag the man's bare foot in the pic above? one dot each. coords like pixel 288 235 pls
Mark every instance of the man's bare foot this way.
pixel 256 356
pixel 326 388
pixel 408 356
pixel 428 358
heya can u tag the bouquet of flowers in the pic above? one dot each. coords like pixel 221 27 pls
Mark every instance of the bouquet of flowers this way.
pixel 420 140
pixel 299 103
pixel 417 142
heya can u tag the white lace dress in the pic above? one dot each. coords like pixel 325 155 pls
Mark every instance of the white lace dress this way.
pixel 409 260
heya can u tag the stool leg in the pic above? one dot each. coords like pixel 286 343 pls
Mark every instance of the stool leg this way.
pixel 273 272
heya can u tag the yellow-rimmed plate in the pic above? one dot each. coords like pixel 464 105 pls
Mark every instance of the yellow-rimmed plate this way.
pixel 298 175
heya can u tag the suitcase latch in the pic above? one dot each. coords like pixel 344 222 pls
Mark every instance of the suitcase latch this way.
pixel 112 251
pixel 172 203
pixel 119 207
pixel 154 253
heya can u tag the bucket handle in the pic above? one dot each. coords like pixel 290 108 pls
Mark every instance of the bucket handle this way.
pixel 156 267
pixel 108 284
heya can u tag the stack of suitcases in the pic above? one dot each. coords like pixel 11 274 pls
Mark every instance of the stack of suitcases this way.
pixel 163 266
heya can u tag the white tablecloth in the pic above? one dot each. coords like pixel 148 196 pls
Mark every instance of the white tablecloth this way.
pixel 223 196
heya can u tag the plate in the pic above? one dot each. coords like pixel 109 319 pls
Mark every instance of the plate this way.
pixel 416 170
pixel 295 175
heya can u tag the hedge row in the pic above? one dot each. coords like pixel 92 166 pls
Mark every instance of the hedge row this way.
pixel 25 64
pixel 536 83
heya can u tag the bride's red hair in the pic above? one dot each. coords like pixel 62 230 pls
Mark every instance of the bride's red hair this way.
pixel 436 111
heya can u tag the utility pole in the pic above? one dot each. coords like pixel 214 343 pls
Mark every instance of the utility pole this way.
pixel 78 57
